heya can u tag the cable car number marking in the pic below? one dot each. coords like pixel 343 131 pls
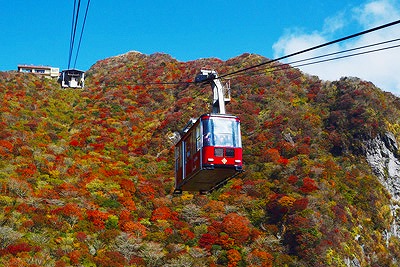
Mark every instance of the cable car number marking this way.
pixel 224 160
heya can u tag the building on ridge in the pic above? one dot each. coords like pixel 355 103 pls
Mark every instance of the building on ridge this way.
pixel 46 71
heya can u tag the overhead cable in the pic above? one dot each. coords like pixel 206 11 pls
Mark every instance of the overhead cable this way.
pixel 347 50
pixel 75 20
pixel 83 28
pixel 281 67
pixel 165 83
pixel 346 56
pixel 292 64
pixel 72 37
pixel 314 48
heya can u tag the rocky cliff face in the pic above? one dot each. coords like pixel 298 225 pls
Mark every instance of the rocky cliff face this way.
pixel 382 156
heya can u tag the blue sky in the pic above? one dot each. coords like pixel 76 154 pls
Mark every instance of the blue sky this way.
pixel 38 32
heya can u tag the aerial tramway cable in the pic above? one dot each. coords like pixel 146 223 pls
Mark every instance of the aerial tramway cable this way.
pixel 73 78
pixel 283 67
pixel 72 33
pixel 74 25
pixel 313 48
pixel 278 68
pixel 83 28
pixel 348 50
pixel 346 56
pixel 291 65
pixel 75 15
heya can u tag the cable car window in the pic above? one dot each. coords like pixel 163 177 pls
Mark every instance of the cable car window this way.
pixel 218 152
pixel 177 158
pixel 188 146
pixel 221 132
pixel 230 152
pixel 198 138
pixel 194 143
pixel 207 133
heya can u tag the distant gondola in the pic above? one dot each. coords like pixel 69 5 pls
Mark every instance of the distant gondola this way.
pixel 72 78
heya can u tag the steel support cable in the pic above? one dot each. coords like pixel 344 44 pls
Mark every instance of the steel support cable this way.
pixel 307 50
pixel 288 66
pixel 346 56
pixel 327 55
pixel 83 28
pixel 283 67
pixel 165 83
pixel 314 48
pixel 344 51
pixel 74 33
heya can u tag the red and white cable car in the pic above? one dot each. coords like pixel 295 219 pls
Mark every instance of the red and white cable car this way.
pixel 210 150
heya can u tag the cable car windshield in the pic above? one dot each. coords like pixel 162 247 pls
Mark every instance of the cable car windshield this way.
pixel 221 132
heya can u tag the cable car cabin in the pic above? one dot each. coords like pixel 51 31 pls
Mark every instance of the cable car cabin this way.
pixel 208 154
pixel 72 78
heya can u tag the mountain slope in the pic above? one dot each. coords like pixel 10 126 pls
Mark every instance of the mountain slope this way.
pixel 87 176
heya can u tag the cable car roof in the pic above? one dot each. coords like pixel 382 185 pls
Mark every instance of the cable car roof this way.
pixel 73 71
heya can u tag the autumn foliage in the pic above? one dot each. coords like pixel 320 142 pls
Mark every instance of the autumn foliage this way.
pixel 86 176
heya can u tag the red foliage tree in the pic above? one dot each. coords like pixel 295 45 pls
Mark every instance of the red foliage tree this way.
pixel 207 240
pixel 70 212
pixel 275 209
pixel 127 202
pixel 75 143
pixel 300 204
pixel 128 185
pixel 163 213
pixel 27 170
pixel 225 241
pixel 97 217
pixel 260 258
pixel 110 259
pixel 14 249
pixel 135 228
pixel 309 185
pixel 283 161
pixel 74 256
pixel 6 144
pixel 146 190
pixel 186 234
pixel 237 227
pixel 81 236
pixel 293 179
pixel 272 155
pixel 233 257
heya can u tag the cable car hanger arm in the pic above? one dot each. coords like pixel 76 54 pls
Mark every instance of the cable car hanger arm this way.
pixel 221 93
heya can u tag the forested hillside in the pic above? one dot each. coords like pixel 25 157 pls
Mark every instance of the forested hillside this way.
pixel 86 176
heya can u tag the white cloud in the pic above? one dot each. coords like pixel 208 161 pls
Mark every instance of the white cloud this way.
pixel 334 23
pixel 376 12
pixel 381 68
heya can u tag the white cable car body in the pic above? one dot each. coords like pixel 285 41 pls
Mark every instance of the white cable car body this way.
pixel 72 78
